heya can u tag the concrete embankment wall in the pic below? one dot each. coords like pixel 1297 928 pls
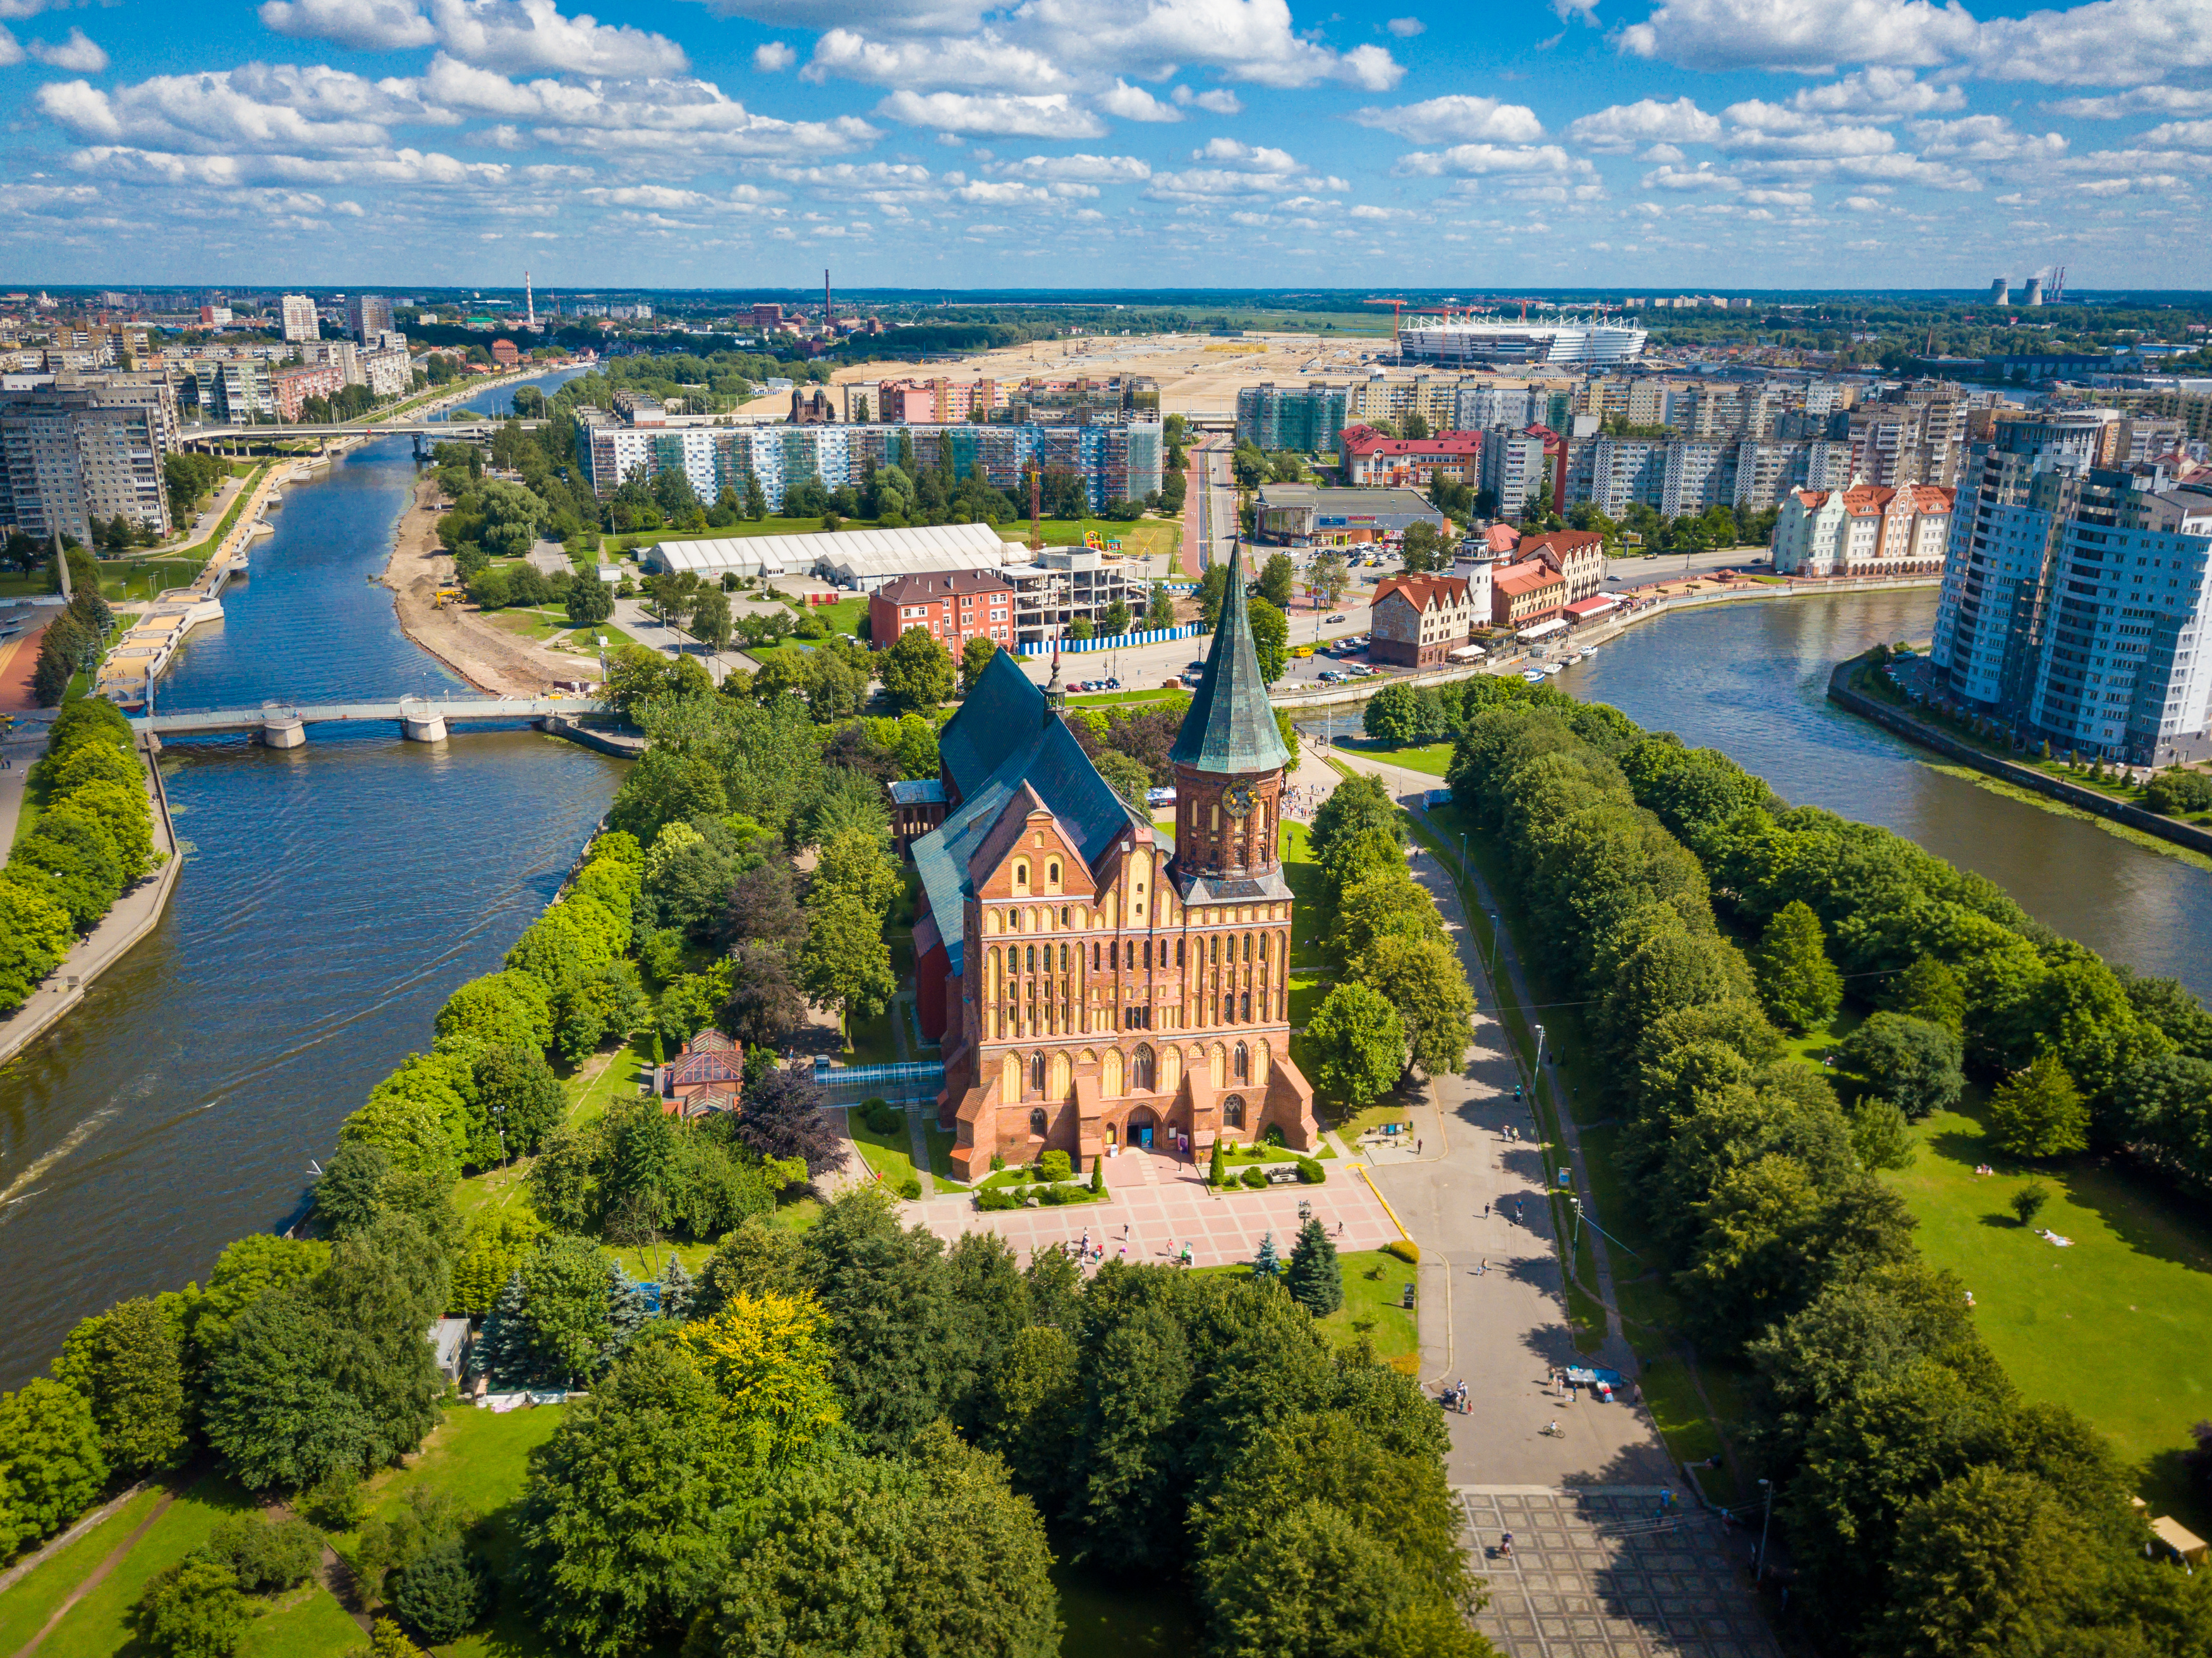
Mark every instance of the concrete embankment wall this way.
pixel 1843 695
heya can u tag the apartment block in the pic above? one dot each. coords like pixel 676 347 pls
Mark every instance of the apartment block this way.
pixel 299 321
pixel 1309 420
pixel 1513 469
pixel 953 606
pixel 293 386
pixel 368 315
pixel 1864 531
pixel 81 449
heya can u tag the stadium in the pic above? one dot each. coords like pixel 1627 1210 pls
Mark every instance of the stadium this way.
pixel 1457 342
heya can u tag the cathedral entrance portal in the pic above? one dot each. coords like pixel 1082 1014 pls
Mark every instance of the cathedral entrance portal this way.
pixel 1141 1124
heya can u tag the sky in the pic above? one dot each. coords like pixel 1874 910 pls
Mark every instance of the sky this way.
pixel 1105 143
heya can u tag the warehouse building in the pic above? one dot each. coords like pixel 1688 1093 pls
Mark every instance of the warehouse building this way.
pixel 1302 515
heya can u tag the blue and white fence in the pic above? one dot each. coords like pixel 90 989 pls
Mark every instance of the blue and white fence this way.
pixel 1117 642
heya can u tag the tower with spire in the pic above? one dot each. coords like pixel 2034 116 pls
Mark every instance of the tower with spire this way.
pixel 1229 760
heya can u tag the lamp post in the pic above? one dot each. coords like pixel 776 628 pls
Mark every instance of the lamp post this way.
pixel 1493 948
pixel 1767 1493
pixel 1538 1071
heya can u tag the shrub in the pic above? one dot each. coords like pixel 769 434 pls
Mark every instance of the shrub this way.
pixel 1406 1249
pixel 997 1198
pixel 1310 1173
pixel 1063 1194
pixel 1055 1166
pixel 1273 1135
pixel 266 1556
pixel 881 1116
pixel 2027 1202
pixel 440 1593
pixel 1255 1177
pixel 910 1188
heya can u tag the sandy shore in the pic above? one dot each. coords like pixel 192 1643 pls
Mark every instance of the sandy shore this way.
pixel 486 656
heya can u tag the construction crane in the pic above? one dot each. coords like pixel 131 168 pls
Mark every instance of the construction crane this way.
pixel 1397 309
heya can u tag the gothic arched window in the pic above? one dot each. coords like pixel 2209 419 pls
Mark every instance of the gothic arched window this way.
pixel 1228 1009
pixel 1037 1072
pixel 1037 1123
pixel 1242 1070
pixel 1232 1112
pixel 1245 1000
pixel 1141 1070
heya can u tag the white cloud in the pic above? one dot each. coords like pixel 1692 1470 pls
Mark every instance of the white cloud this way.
pixel 1459 116
pixel 1380 215
pixel 1620 129
pixel 2104 43
pixel 1135 104
pixel 1661 153
pixel 773 57
pixel 79 52
pixel 1079 169
pixel 1476 160
pixel 1701 177
pixel 1779 198
pixel 1986 138
pixel 256 108
pixel 11 50
pixel 1812 35
pixel 410 167
pixel 660 196
pixel 985 59
pixel 2181 135
pixel 1219 101
pixel 2142 101
pixel 1880 91
pixel 1050 115
pixel 1406 28
pixel 1238 153
pixel 1865 204
pixel 364 25
pixel 1764 128
pixel 1004 193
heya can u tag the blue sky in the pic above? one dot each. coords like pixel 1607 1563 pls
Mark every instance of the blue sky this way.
pixel 1830 143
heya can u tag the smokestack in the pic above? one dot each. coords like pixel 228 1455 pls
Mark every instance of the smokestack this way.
pixel 829 309
pixel 529 302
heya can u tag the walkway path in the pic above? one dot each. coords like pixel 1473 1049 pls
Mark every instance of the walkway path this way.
pixel 1492 1295
pixel 98 1575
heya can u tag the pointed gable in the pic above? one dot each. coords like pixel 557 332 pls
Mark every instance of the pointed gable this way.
pixel 1230 728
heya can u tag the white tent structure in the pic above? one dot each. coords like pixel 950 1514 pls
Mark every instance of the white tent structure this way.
pixel 860 559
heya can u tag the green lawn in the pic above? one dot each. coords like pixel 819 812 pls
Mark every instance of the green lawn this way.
pixel 941 1142
pixel 146 578
pixel 542 623
pixel 2114 1326
pixel 100 1624
pixel 25 1609
pixel 891 1155
pixel 1433 759
pixel 1373 1284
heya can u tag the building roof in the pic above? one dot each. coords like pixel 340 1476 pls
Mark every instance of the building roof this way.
pixel 1366 440
pixel 1229 728
pixel 1501 537
pixel 1515 580
pixel 843 555
pixel 1423 592
pixel 940 584
pixel 1357 503
pixel 1561 543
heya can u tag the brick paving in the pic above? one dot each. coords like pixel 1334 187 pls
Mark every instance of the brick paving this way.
pixel 1164 1204
pixel 1594 1575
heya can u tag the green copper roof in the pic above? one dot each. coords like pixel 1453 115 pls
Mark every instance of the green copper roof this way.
pixel 1229 728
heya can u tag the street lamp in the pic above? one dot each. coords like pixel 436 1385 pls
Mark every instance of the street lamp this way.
pixel 1767 1493
pixel 1493 948
pixel 1538 1071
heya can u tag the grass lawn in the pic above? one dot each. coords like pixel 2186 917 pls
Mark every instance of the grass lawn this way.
pixel 146 578
pixel 2114 1326
pixel 891 1155
pixel 25 1609
pixel 1432 759
pixel 100 1624
pixel 1103 698
pixel 307 1623
pixel 941 1142
pixel 844 616
pixel 1373 1282
pixel 530 623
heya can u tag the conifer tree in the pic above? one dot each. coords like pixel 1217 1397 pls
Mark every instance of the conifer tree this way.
pixel 1314 1280
pixel 627 1310
pixel 1267 1264
pixel 676 1292
pixel 1214 1168
pixel 503 1345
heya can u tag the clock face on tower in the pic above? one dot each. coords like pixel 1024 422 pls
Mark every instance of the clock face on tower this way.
pixel 1238 799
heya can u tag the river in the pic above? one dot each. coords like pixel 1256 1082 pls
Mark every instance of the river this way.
pixel 332 896
pixel 1751 678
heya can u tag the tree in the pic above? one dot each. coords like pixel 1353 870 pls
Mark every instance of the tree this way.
pixel 1114 621
pixel 51 1466
pixel 1276 580
pixel 764 1002
pixel 847 1563
pixel 350 1194
pixel 2039 1113
pixel 565 1309
pixel 1801 987
pixel 498 1008
pixel 781 1117
pixel 1314 1280
pixel 1985 1564
pixel 1266 1264
pixel 2027 1202
pixel 846 963
pixel 975 657
pixel 194 1610
pixel 498 1241
pixel 1425 548
pixel 1213 583
pixel 127 1361
pixel 266 1555
pixel 1271 639
pixel 1159 610
pixel 1422 980
pixel 1329 577
pixel 518 1096
pixel 1357 804
pixel 1917 1064
pixel 440 1592
pixel 1356 1043
pixel 710 617
pixel 917 672
pixel 1130 779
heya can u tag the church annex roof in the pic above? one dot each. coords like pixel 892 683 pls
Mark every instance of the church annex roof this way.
pixel 1230 728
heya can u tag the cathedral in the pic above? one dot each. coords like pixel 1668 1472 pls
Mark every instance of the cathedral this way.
pixel 1095 981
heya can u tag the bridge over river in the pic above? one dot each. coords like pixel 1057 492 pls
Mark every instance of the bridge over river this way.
pixel 420 718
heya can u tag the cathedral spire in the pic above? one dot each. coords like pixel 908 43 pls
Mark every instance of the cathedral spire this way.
pixel 1230 728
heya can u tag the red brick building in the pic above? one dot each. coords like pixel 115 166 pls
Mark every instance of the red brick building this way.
pixel 953 606
pixel 1420 620
pixel 504 353
pixel 1576 556
pixel 1371 460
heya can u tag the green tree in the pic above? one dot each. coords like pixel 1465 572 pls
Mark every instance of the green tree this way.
pixel 1159 610
pixel 1985 1564
pixel 845 964
pixel 1917 1064
pixel 441 1594
pixel 844 1565
pixel 565 1283
pixel 1271 639
pixel 51 1466
pixel 2027 1202
pixel 1422 980
pixel 518 1096
pixel 2039 1113
pixel 1314 1280
pixel 1276 580
pixel 1394 714
pixel 1213 583
pixel 1880 1135
pixel 496 1243
pixel 498 1008
pixel 916 672
pixel 1357 804
pixel 1130 779
pixel 710 617
pixel 899 1347
pixel 1425 548
pixel 128 1363
pixel 1929 990
pixel 1356 1043
pixel 267 1556
pixel 349 1195
pixel 35 933
pixel 1798 983
pixel 194 1610
pixel 975 657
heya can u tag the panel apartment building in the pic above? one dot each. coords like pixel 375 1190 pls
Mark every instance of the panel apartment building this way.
pixel 1117 463
pixel 1309 419
pixel 86 447
pixel 2074 601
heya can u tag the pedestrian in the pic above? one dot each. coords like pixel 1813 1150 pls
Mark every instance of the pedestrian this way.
pixel 1417 1148
pixel 1484 1267
pixel 1505 1547
pixel 1486 1212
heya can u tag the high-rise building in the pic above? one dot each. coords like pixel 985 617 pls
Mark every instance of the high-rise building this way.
pixel 299 321
pixel 1308 420
pixel 368 315
pixel 86 447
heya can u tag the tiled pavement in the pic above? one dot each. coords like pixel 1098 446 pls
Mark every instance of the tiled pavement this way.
pixel 1594 1575
pixel 1164 1204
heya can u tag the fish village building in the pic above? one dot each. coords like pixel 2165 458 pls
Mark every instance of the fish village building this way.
pixel 1097 982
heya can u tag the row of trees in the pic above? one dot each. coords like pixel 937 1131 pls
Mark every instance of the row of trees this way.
pixel 92 841
pixel 1931 1511
pixel 1401 1000
pixel 72 641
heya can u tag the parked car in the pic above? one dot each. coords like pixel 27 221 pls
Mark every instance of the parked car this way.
pixel 1334 619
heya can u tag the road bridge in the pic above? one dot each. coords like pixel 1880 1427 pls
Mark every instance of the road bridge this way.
pixel 420 718
pixel 478 427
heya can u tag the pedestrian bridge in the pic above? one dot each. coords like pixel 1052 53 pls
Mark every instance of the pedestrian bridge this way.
pixel 420 718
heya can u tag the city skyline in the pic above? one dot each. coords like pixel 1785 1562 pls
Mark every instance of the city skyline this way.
pixel 1734 143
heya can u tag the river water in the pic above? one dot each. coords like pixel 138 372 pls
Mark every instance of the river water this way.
pixel 332 898
pixel 1752 678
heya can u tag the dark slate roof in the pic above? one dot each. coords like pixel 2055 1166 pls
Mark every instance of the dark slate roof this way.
pixel 1044 759
pixel 1229 726
pixel 1003 713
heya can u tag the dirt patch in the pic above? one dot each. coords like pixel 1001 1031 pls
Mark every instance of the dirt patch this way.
pixel 486 656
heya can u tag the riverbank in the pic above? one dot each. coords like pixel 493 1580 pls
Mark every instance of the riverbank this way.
pixel 472 648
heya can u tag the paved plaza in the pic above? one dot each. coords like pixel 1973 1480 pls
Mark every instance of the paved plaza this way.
pixel 1596 1573
pixel 1164 1204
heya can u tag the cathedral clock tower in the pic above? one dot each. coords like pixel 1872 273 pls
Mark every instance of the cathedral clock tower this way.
pixel 1229 760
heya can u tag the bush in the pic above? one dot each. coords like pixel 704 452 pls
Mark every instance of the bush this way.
pixel 910 1188
pixel 1255 1177
pixel 2027 1202
pixel 440 1593
pixel 1271 1135
pixel 1055 1166
pixel 2174 792
pixel 994 1198
pixel 881 1116
pixel 1406 1249
pixel 1057 1194
pixel 266 1556
pixel 1310 1173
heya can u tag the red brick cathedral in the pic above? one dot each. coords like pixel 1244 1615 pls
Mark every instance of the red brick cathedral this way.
pixel 1096 982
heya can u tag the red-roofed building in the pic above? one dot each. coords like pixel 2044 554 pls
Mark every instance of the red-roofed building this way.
pixel 1864 531
pixel 1369 461
pixel 1577 556
pixel 1420 620
pixel 1523 594
pixel 954 606
pixel 504 353
pixel 1502 539
pixel 705 1076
